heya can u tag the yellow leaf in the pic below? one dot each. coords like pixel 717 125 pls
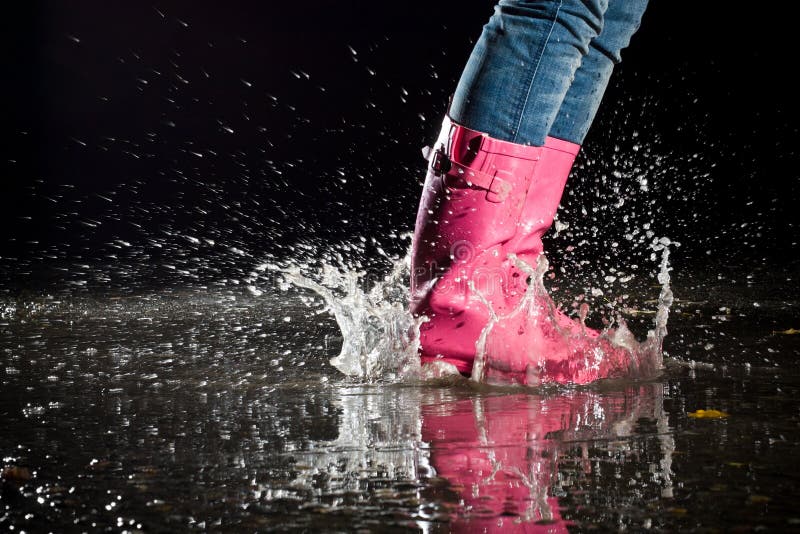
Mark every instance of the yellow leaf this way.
pixel 708 414
pixel 789 332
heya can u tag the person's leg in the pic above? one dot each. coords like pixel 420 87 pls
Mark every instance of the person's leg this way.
pixel 572 121
pixel 489 198
pixel 524 347
pixel 480 171
pixel 578 109
pixel 522 66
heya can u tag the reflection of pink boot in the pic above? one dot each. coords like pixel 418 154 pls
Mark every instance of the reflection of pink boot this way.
pixel 484 199
pixel 496 455
pixel 501 454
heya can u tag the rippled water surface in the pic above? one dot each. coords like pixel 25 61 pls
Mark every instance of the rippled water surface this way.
pixel 218 410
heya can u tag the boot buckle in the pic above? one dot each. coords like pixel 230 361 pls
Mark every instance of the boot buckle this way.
pixel 498 190
pixel 440 163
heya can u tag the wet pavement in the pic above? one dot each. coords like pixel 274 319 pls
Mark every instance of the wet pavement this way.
pixel 207 409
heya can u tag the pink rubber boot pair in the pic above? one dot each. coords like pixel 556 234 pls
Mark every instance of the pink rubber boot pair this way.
pixel 485 205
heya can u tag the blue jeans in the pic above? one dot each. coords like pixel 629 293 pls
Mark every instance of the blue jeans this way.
pixel 540 67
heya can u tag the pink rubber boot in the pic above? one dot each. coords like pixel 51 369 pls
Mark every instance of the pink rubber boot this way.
pixel 537 343
pixel 484 199
pixel 471 205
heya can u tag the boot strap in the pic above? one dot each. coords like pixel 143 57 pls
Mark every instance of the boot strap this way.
pixel 458 176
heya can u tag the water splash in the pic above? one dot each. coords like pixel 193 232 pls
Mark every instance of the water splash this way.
pixel 381 338
pixel 559 350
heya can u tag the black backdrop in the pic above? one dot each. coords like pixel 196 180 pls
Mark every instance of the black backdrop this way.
pixel 139 132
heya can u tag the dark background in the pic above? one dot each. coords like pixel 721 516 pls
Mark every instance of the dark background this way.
pixel 144 140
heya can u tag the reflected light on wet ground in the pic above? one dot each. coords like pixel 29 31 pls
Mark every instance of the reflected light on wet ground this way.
pixel 200 410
